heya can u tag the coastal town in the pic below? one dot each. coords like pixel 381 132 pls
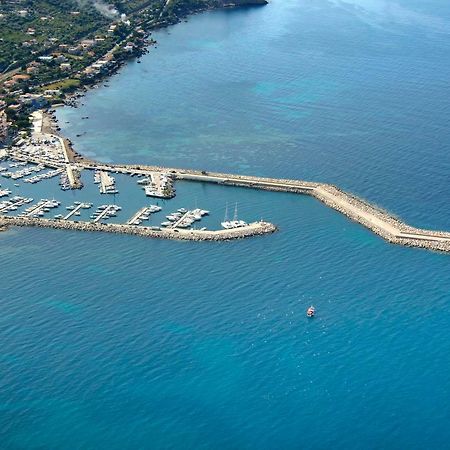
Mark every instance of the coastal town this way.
pixel 49 55
pixel 51 69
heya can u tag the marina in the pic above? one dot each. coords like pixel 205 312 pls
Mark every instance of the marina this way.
pixel 380 222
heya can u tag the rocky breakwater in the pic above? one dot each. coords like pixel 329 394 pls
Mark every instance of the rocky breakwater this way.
pixel 253 229
pixel 237 3
pixel 379 221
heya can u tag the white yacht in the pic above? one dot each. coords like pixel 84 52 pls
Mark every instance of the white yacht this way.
pixel 235 223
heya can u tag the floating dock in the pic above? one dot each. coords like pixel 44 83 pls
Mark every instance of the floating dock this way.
pixel 107 212
pixel 40 208
pixel 136 218
pixel 76 209
pixel 15 203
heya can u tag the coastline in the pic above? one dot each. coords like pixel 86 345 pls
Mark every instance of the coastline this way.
pixel 72 98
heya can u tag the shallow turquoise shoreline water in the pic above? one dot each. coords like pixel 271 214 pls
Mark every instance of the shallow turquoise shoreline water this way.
pixel 121 342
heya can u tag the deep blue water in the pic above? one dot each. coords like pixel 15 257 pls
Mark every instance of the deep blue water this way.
pixel 121 342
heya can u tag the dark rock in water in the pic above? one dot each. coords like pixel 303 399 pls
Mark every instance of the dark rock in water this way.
pixel 232 3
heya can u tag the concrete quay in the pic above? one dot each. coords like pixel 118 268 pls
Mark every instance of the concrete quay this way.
pixel 107 183
pixel 253 229
pixel 74 176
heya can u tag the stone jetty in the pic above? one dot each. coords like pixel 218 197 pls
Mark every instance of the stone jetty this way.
pixel 252 229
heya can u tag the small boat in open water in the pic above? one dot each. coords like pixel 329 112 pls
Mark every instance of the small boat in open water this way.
pixel 310 311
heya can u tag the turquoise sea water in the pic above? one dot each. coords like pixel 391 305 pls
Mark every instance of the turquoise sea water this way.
pixel 121 342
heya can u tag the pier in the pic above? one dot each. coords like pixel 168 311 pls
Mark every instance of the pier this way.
pixel 75 210
pixel 135 218
pixel 107 183
pixel 106 212
pixel 6 205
